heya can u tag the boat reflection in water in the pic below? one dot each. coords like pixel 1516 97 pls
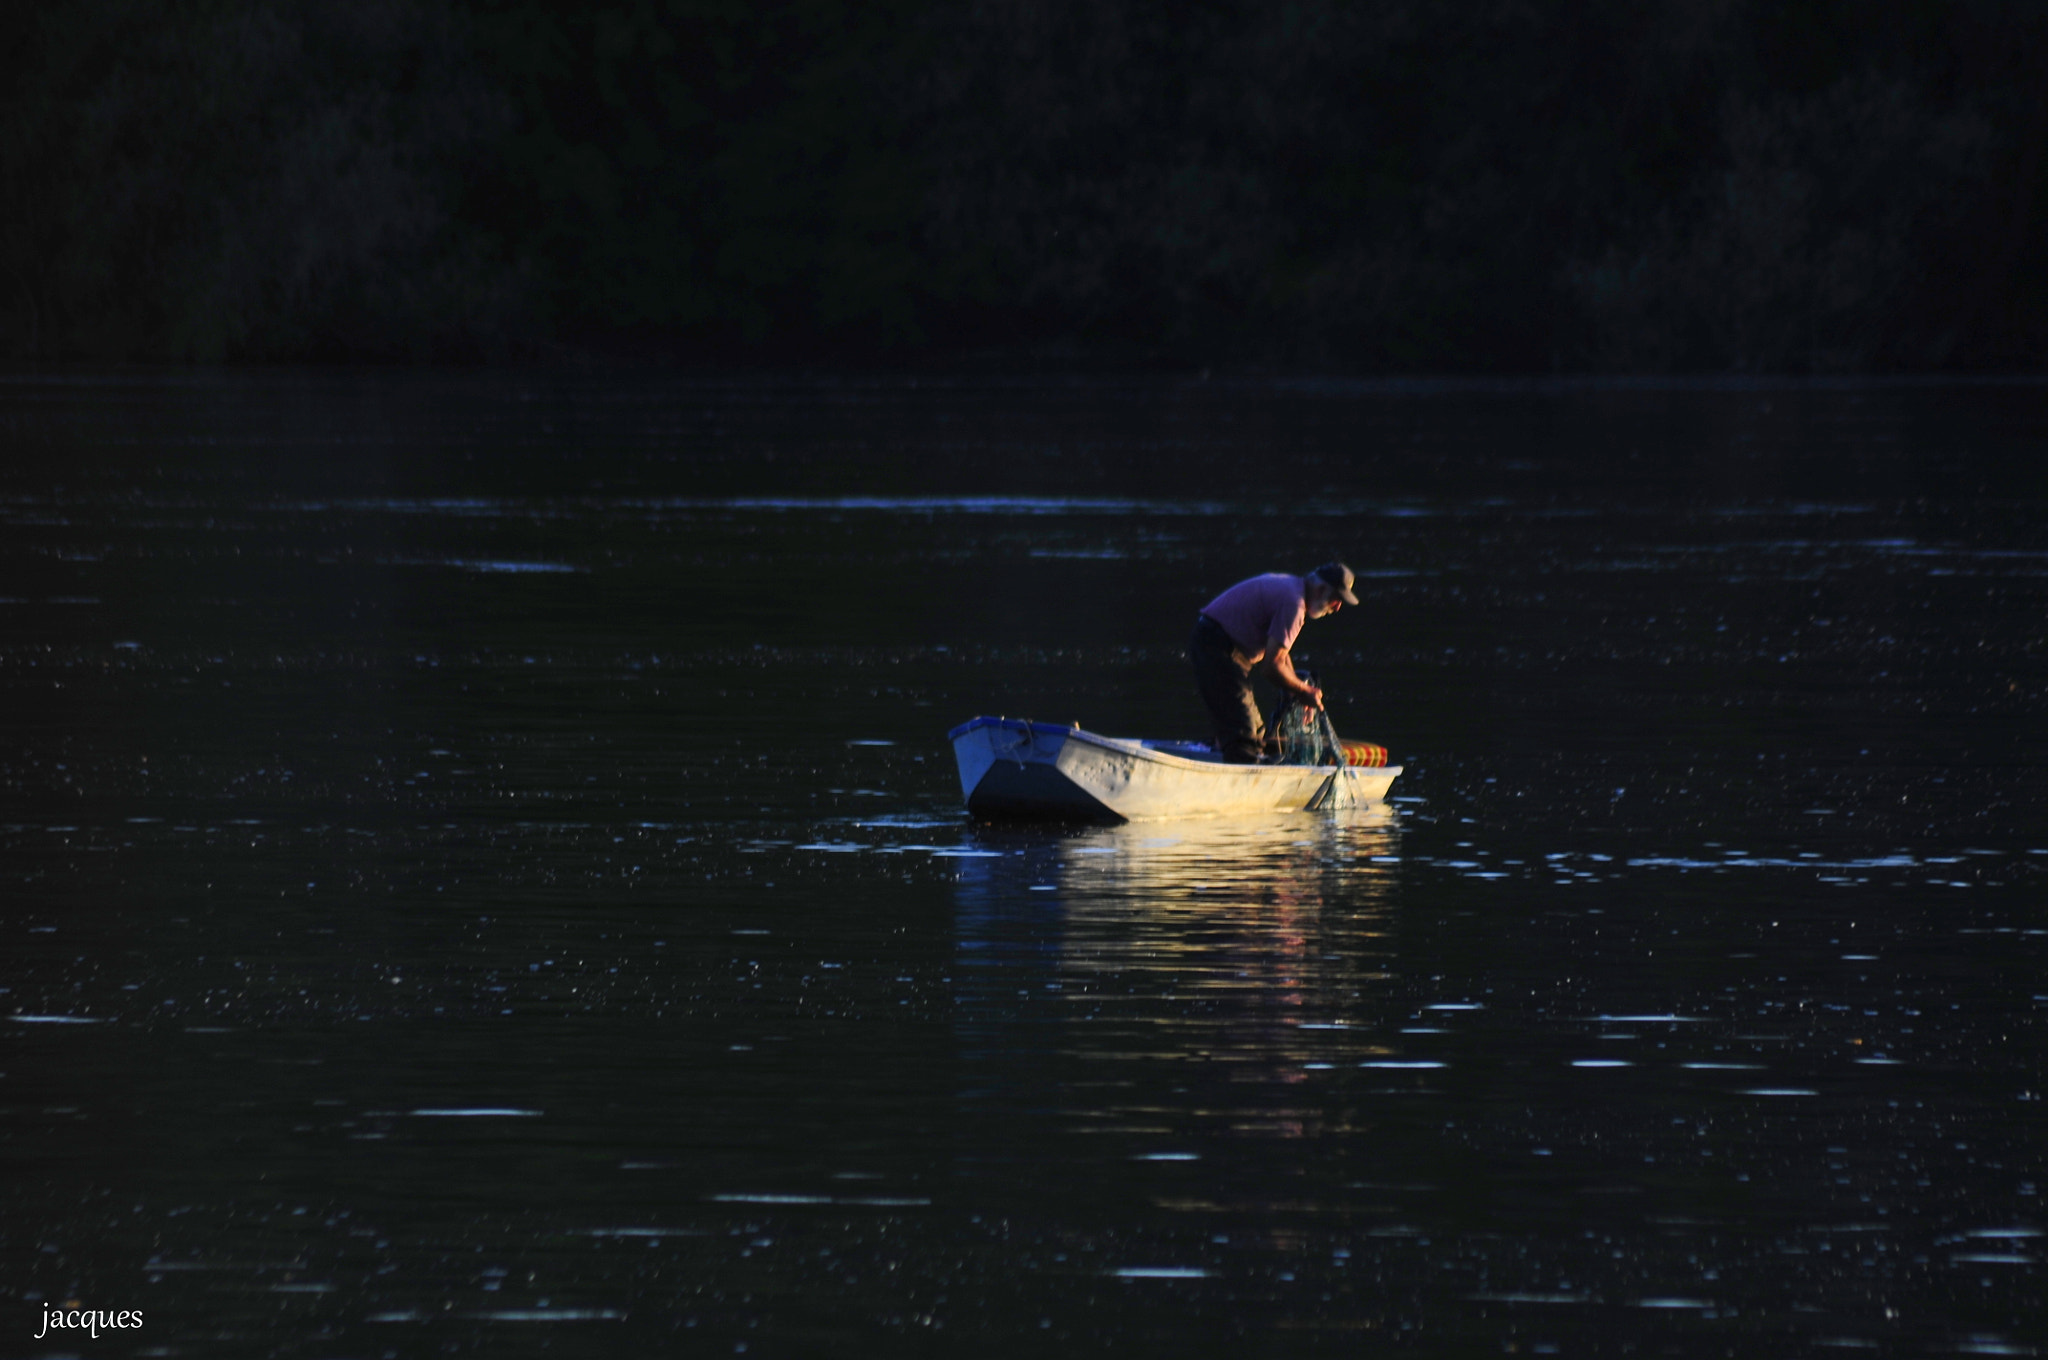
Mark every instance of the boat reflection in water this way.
pixel 1143 990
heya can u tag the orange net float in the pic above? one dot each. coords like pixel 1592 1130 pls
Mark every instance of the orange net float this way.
pixel 1363 753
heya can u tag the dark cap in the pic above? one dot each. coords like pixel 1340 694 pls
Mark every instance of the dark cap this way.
pixel 1337 577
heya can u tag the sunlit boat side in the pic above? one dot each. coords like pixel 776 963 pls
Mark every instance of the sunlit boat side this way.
pixel 1012 768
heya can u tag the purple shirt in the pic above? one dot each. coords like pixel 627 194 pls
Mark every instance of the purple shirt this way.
pixel 1262 615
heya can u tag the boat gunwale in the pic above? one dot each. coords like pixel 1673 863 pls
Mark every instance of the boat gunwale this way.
pixel 1133 746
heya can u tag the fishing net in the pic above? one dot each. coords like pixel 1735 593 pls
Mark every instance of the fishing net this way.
pixel 1306 736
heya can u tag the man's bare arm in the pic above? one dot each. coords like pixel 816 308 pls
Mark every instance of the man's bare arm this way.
pixel 1283 667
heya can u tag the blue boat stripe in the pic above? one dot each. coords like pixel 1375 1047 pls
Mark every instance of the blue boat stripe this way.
pixel 1013 724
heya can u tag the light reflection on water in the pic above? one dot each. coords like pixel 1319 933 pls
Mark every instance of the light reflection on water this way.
pixel 1236 945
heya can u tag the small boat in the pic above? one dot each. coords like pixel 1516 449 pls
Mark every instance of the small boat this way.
pixel 1011 768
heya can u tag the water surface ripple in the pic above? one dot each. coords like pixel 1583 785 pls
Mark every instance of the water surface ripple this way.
pixel 481 870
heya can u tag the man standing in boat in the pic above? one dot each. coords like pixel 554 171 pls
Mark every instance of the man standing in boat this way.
pixel 1252 622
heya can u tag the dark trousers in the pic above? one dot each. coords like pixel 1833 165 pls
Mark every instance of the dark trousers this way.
pixel 1225 683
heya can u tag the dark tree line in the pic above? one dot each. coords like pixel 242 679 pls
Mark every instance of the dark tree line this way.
pixel 1835 185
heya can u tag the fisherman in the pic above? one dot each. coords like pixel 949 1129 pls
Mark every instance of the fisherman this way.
pixel 1255 621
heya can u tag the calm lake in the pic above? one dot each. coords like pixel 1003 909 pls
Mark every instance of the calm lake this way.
pixel 482 870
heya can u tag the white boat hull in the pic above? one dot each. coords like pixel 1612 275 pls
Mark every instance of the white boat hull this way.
pixel 1012 768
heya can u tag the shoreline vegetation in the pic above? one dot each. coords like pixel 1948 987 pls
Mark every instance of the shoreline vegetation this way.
pixel 1419 186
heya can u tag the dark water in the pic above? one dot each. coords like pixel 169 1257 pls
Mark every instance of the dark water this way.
pixel 481 871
